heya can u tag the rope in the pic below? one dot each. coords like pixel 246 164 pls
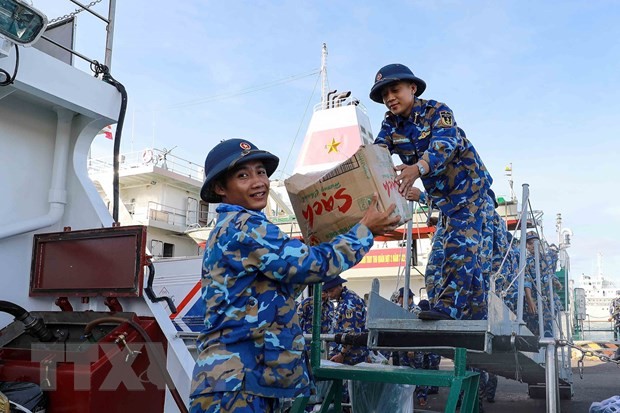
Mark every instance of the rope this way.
pixel 245 91
pixel 288 156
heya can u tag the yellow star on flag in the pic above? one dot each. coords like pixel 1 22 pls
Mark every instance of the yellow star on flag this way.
pixel 333 147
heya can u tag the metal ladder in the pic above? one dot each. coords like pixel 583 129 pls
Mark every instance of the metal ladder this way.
pixel 459 380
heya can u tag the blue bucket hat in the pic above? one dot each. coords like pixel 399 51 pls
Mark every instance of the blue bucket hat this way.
pixel 394 73
pixel 531 235
pixel 228 154
pixel 401 292
pixel 333 283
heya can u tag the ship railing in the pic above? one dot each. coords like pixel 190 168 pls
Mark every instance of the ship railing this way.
pixel 60 45
pixel 154 211
pixel 151 157
pixel 336 103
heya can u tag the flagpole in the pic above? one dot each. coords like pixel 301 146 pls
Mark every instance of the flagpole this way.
pixel 153 123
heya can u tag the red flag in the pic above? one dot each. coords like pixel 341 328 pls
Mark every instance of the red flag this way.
pixel 106 132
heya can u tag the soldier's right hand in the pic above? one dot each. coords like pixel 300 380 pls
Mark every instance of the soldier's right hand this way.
pixel 380 222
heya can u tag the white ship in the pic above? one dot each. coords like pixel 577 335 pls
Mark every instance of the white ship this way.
pixel 600 292
pixel 159 190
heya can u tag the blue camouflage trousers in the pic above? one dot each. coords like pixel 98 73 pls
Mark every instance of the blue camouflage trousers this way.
pixel 501 266
pixel 231 402
pixel 462 293
pixel 432 274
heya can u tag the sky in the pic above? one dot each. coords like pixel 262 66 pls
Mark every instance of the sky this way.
pixel 534 84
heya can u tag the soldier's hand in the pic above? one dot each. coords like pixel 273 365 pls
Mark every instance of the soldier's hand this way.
pixel 407 176
pixel 338 358
pixel 413 194
pixel 380 222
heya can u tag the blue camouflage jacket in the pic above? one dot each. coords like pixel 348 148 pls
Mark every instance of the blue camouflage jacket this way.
pixel 252 340
pixel 304 312
pixel 350 317
pixel 457 175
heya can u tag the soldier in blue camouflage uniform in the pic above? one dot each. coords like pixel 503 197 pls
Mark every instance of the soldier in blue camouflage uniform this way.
pixel 551 260
pixel 495 247
pixel 545 295
pixel 251 350
pixel 349 317
pixel 425 136
pixel 532 297
pixel 507 282
pixel 432 272
pixel 305 309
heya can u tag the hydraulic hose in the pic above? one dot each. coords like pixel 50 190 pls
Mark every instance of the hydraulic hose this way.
pixel 99 68
pixel 33 325
pixel 148 290
pixel 173 390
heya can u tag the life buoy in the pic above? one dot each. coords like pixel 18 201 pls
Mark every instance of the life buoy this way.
pixel 147 156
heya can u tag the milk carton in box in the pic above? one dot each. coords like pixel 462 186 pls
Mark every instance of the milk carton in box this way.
pixel 329 203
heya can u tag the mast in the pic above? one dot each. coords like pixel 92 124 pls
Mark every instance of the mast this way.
pixel 558 227
pixel 324 82
pixel 508 171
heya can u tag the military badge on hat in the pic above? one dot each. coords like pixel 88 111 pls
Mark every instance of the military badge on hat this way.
pixel 446 120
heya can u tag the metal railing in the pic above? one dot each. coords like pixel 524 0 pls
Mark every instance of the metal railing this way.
pixel 149 157
pixel 154 211
pixel 336 103
pixel 107 20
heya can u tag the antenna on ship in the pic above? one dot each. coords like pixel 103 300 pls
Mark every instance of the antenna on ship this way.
pixel 508 169
pixel 324 82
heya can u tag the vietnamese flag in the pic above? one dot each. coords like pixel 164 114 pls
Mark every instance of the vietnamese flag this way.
pixel 106 132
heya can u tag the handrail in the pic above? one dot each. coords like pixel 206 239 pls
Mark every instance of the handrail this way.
pixel 348 101
pixel 151 157
pixel 109 29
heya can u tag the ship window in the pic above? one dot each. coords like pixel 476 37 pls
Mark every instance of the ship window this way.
pixel 191 215
pixel 203 214
pixel 168 250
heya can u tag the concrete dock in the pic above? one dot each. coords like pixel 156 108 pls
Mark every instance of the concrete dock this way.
pixel 600 381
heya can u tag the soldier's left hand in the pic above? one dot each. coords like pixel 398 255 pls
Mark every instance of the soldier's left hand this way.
pixel 407 176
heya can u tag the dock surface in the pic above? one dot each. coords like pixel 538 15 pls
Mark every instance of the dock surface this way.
pixel 600 381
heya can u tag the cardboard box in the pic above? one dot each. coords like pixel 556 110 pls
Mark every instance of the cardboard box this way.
pixel 329 203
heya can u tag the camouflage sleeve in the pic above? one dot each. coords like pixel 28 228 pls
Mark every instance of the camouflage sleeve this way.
pixel 303 310
pixel 530 273
pixel 444 140
pixel 552 260
pixel 384 137
pixel 352 314
pixel 289 260
pixel 423 198
pixel 358 318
